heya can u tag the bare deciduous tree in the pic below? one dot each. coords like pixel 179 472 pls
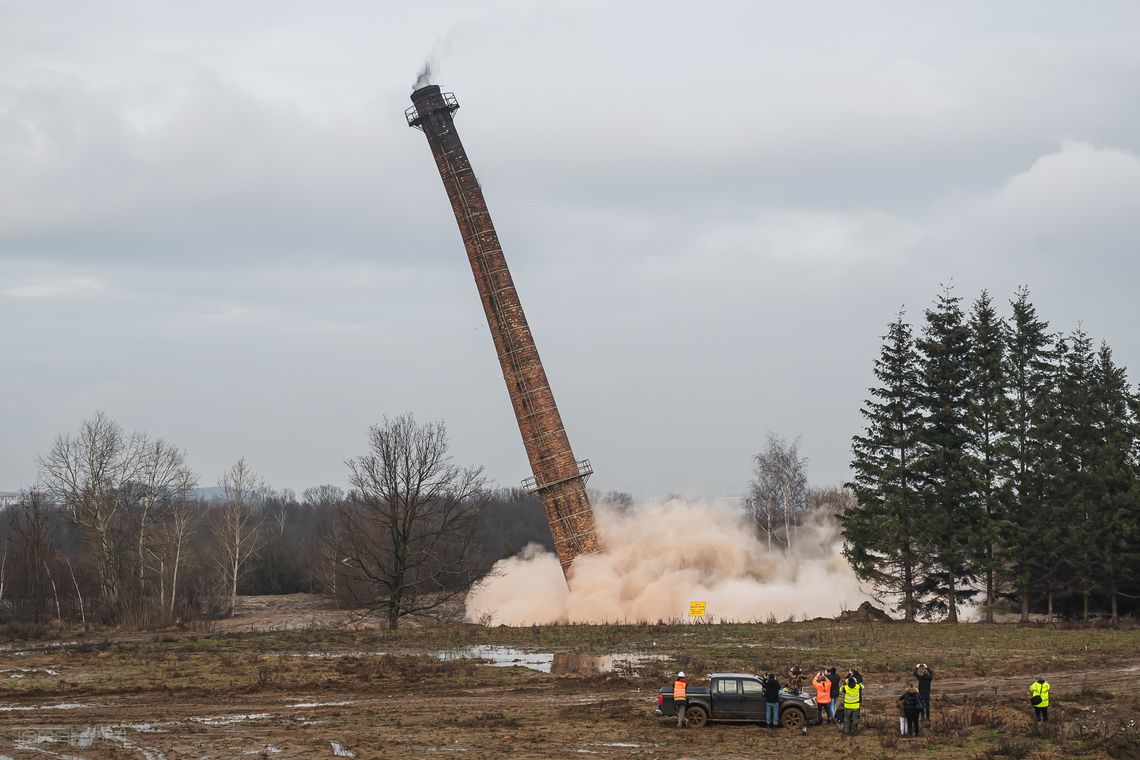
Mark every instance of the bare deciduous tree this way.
pixel 33 544
pixel 87 473
pixel 162 479
pixel 779 489
pixel 181 525
pixel 236 522
pixel 406 531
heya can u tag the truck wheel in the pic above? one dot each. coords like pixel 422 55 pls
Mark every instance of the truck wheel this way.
pixel 792 717
pixel 696 716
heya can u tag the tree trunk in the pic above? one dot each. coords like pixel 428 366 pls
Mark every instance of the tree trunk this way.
pixel 141 550
pixel 55 593
pixel 3 568
pixel 233 584
pixel 1050 597
pixel 1085 606
pixel 1112 601
pixel 1025 603
pixel 393 614
pixel 990 593
pixel 174 576
pixel 78 595
pixel 787 520
pixel 952 617
pixel 908 593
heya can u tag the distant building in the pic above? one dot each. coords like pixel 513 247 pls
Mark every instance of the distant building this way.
pixel 9 499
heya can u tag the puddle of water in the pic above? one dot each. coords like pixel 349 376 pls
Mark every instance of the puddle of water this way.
pixel 21 672
pixel 84 737
pixel 27 708
pixel 628 663
pixel 25 647
pixel 226 720
pixel 340 750
pixel 323 704
pixel 502 657
pixel 335 655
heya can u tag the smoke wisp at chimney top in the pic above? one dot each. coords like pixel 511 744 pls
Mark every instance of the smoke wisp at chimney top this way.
pixel 423 79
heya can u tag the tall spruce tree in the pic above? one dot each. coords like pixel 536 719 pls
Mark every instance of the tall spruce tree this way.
pixel 1116 485
pixel 950 519
pixel 988 418
pixel 1028 368
pixel 880 531
pixel 1076 503
pixel 1051 528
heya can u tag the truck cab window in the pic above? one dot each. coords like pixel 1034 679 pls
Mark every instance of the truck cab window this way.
pixel 727 687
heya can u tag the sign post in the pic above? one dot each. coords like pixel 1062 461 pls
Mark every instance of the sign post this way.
pixel 696 609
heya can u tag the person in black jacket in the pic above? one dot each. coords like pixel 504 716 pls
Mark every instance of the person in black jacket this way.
pixel 771 701
pixel 909 705
pixel 834 678
pixel 924 675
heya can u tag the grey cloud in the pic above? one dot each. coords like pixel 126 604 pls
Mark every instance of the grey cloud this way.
pixel 217 227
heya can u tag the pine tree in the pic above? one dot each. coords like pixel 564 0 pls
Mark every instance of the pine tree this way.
pixel 988 422
pixel 880 536
pixel 1028 369
pixel 951 512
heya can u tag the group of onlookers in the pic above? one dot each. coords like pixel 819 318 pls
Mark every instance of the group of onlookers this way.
pixel 839 700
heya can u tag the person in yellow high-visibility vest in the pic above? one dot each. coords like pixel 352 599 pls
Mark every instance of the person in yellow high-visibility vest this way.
pixel 1039 698
pixel 852 693
pixel 679 700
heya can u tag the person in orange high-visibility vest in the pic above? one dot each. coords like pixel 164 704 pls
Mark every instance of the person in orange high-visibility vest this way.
pixel 822 697
pixel 679 700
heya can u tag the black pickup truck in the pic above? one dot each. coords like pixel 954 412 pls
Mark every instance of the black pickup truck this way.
pixel 737 697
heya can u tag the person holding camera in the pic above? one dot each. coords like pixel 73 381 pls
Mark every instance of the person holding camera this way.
pixel 923 675
pixel 823 707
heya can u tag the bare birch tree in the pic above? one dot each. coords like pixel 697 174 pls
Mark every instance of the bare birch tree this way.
pixel 236 523
pixel 181 524
pixel 407 528
pixel 779 489
pixel 162 480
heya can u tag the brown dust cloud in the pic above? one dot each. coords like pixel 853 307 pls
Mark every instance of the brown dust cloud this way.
pixel 661 555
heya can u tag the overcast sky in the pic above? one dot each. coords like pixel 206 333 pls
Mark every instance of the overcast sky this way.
pixel 216 227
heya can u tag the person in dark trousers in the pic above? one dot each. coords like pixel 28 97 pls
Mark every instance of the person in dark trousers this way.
pixel 822 697
pixel 835 681
pixel 909 707
pixel 923 675
pixel 680 702
pixel 1039 698
pixel 852 692
pixel 771 701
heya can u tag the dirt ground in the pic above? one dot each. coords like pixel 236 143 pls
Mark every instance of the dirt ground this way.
pixel 296 690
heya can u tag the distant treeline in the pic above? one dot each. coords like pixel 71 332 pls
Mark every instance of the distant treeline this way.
pixel 1000 466
pixel 117 534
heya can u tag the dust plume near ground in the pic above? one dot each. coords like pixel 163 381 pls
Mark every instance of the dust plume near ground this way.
pixel 659 556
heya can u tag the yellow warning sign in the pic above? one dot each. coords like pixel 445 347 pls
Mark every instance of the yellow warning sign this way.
pixel 696 609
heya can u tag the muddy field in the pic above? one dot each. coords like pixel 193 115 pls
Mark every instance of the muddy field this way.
pixel 297 691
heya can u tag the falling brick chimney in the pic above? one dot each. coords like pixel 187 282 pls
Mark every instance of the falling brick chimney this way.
pixel 559 479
